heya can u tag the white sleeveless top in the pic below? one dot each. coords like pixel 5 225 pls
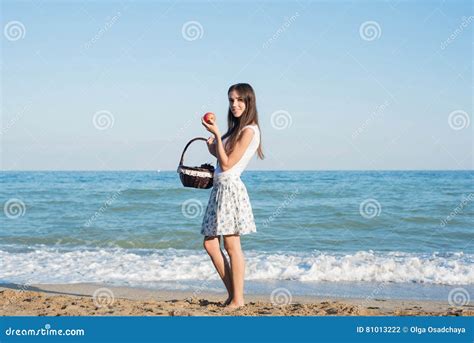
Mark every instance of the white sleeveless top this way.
pixel 240 166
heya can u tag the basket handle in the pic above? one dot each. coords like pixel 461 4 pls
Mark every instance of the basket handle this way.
pixel 187 145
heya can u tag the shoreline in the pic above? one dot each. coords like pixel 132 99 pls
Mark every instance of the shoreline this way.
pixel 78 300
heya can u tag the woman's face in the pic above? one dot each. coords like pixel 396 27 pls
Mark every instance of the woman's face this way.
pixel 236 104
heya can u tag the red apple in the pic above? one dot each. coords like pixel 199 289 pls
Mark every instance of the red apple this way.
pixel 209 118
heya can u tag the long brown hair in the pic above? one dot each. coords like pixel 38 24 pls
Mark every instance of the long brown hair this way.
pixel 250 116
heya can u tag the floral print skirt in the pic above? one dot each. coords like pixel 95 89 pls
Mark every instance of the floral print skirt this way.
pixel 229 211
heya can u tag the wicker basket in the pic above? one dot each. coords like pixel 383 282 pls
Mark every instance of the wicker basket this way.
pixel 196 177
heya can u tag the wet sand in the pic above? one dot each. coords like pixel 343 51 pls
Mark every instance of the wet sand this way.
pixel 79 300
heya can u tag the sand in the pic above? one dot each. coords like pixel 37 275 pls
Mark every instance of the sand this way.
pixel 79 300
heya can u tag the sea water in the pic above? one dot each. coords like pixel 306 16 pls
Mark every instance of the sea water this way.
pixel 405 234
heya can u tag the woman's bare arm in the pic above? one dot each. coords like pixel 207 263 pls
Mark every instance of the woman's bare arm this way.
pixel 228 161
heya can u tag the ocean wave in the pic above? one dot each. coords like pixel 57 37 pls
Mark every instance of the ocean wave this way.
pixel 122 266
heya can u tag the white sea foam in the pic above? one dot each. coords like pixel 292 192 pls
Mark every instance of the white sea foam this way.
pixel 121 266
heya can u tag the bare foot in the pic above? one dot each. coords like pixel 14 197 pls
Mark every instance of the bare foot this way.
pixel 228 301
pixel 235 305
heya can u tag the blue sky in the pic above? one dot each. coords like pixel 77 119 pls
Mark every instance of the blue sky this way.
pixel 349 85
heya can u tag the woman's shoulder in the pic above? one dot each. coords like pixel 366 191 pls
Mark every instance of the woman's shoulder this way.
pixel 254 127
pixel 252 132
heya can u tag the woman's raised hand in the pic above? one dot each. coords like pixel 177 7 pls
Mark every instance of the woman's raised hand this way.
pixel 212 128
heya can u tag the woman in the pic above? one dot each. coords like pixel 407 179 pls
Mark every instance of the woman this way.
pixel 229 213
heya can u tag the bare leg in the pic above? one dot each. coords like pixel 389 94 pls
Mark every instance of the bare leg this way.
pixel 213 248
pixel 233 248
